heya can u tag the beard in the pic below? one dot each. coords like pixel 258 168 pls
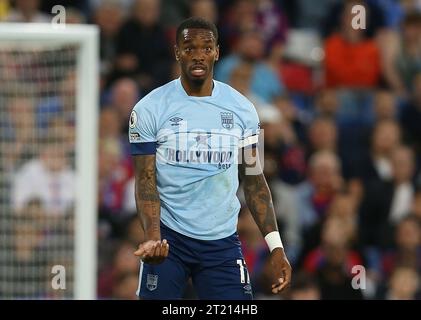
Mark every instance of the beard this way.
pixel 197 81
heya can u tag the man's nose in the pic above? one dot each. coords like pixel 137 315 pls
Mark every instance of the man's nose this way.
pixel 198 56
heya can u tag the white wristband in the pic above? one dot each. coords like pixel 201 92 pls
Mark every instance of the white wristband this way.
pixel 273 239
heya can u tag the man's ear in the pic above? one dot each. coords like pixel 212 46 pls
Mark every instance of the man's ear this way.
pixel 176 53
pixel 217 53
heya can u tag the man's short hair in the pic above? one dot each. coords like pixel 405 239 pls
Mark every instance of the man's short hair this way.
pixel 196 23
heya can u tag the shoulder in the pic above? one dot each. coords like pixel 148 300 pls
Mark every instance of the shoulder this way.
pixel 153 100
pixel 241 102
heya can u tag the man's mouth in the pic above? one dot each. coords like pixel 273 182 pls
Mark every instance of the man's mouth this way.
pixel 198 70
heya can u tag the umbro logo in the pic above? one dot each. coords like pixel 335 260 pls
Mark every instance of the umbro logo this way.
pixel 175 121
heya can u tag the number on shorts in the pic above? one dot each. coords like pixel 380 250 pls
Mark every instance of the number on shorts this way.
pixel 243 271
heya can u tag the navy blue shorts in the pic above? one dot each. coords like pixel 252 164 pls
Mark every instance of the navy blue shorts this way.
pixel 216 267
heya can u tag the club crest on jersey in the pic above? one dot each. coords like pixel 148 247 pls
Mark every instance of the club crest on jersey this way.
pixel 151 281
pixel 227 120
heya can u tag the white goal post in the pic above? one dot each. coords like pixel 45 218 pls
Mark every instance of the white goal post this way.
pixel 85 38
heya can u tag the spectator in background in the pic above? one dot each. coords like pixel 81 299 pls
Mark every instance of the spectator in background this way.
pixel 351 60
pixel 403 285
pixel 324 181
pixel 296 118
pixel 407 247
pixel 385 105
pixel 272 23
pixel 65 131
pixel 110 123
pixel 173 12
pixel 108 16
pixel 125 286
pixel 239 18
pixel 27 255
pixel 342 207
pixel 27 11
pixel 124 94
pixel 376 163
pixel 386 202
pixel 278 135
pixel 402 54
pixel 411 116
pixel 143 49
pixel 61 104
pixel 47 177
pixel 314 196
pixel 332 262
pixel 110 126
pixel 114 173
pixel 17 127
pixel 241 80
pixel 250 48
pixel 124 262
pixel 345 207
pixel 322 136
pixel 326 103
pixel 205 9
pixel 403 162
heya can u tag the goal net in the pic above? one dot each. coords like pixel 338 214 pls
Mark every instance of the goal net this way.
pixel 48 113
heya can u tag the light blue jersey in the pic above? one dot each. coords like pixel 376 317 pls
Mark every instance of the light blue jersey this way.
pixel 196 141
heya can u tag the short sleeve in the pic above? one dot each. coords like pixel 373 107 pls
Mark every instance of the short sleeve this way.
pixel 142 131
pixel 251 128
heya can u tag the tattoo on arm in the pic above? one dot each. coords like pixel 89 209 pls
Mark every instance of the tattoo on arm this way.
pixel 146 195
pixel 257 194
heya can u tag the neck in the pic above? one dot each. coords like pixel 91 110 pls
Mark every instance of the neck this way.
pixel 197 90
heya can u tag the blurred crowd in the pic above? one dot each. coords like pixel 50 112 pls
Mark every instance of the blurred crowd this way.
pixel 341 113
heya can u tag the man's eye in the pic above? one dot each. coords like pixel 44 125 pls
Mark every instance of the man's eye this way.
pixel 188 49
pixel 208 49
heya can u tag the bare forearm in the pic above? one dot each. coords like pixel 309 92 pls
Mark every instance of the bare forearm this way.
pixel 259 202
pixel 147 198
pixel 148 208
